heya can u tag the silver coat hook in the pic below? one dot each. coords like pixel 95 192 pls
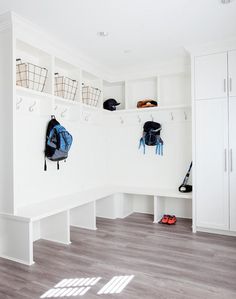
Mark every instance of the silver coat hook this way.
pixel 63 113
pixel 121 120
pixel 152 117
pixel 139 119
pixel 87 117
pixel 31 108
pixel 172 116
pixel 56 107
pixel 185 115
pixel 18 103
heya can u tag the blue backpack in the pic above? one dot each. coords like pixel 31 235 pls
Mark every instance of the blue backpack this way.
pixel 151 137
pixel 58 142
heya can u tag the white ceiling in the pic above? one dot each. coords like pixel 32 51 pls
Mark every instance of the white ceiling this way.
pixel 155 31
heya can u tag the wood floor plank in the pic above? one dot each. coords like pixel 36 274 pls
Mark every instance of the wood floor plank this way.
pixel 166 261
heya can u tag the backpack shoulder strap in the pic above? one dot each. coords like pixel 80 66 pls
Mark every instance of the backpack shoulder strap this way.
pixel 142 144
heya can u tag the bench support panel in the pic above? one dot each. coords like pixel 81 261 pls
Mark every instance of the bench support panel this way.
pixel 84 216
pixel 159 208
pixel 16 239
pixel 56 228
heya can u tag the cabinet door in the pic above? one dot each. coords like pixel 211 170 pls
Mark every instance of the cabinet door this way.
pixel 211 76
pixel 232 161
pixel 232 73
pixel 211 164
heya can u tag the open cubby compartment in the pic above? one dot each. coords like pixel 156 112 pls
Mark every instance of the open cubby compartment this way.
pixel 141 89
pixel 65 69
pixel 29 54
pixel 114 91
pixel 174 89
pixel 55 228
pixel 89 79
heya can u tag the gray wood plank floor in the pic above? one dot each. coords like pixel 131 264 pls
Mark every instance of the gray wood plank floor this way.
pixel 167 262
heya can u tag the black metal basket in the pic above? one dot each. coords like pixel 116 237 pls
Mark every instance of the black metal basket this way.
pixel 90 95
pixel 30 75
pixel 65 87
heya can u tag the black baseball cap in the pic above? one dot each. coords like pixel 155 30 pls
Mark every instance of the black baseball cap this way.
pixel 110 104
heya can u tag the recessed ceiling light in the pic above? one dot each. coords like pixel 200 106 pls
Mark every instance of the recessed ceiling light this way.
pixel 103 33
pixel 226 1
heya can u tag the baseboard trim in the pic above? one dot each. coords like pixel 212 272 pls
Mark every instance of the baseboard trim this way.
pixel 215 231
pixel 16 260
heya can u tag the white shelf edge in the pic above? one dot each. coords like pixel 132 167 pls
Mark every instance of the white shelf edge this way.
pixel 64 101
pixel 154 109
pixel 30 92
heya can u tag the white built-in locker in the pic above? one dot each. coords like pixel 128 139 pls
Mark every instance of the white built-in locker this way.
pixel 214 142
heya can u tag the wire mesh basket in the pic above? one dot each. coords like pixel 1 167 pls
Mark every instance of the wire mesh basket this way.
pixel 65 87
pixel 30 75
pixel 90 95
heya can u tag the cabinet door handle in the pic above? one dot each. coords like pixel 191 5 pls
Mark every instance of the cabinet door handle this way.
pixel 225 158
pixel 231 159
pixel 224 85
pixel 230 84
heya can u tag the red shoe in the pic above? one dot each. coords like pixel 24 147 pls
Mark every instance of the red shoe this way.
pixel 172 220
pixel 165 219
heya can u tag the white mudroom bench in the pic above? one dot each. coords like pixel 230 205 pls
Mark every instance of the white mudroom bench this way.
pixel 51 219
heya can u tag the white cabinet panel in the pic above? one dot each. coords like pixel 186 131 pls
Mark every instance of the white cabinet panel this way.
pixel 211 184
pixel 232 161
pixel 211 76
pixel 232 73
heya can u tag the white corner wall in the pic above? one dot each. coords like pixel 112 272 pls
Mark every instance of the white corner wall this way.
pixel 85 167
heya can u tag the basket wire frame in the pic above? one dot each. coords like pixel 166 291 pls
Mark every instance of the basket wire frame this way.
pixel 90 95
pixel 30 75
pixel 65 87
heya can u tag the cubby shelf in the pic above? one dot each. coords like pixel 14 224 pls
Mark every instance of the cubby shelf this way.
pixel 151 109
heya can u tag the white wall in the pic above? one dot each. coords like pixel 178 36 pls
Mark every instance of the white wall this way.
pixel 85 168
pixel 131 167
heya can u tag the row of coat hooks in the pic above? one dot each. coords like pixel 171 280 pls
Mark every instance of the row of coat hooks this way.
pixel 63 113
pixel 87 116
pixel 171 115
pixel 31 106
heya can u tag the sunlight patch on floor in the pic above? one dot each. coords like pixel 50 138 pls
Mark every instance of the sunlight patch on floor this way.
pixel 71 287
pixel 80 286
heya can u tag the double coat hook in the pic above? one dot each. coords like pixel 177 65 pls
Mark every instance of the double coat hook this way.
pixel 31 107
pixel 18 103
pixel 63 113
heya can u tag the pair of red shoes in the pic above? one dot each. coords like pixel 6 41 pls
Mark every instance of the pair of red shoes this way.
pixel 168 219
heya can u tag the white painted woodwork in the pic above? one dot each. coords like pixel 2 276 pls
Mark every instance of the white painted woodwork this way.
pixel 104 151
pixel 159 208
pixel 84 216
pixel 232 162
pixel 56 228
pixel 16 239
pixel 210 73
pixel 211 162
pixel 232 73
pixel 119 205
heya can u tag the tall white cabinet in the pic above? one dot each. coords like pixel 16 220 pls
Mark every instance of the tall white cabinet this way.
pixel 232 137
pixel 214 100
